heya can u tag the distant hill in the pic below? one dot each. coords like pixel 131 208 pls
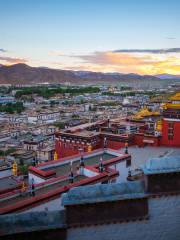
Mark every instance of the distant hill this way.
pixel 24 74
pixel 168 76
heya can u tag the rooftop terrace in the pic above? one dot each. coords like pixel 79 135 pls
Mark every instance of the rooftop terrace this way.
pixel 59 183
pixel 162 165
pixel 104 192
pixel 64 168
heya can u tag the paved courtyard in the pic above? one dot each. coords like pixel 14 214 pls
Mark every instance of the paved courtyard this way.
pixel 141 155
pixel 8 183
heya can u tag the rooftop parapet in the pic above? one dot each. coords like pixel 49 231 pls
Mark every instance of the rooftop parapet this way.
pixel 162 175
pixel 105 203
pixel 104 193
pixel 33 222
pixel 162 165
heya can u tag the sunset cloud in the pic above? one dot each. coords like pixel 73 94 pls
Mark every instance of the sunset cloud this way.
pixel 156 51
pixel 12 60
pixel 141 61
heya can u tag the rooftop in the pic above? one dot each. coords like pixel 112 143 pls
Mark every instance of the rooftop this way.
pixel 59 183
pixel 141 155
pixel 64 167
pixel 83 133
pixel 162 165
pixel 8 183
pixel 104 192
pixel 83 126
pixel 175 97
pixel 17 198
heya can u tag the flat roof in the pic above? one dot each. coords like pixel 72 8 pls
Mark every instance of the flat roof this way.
pixel 54 187
pixel 64 168
pixel 84 126
pixel 162 165
pixel 103 193
pixel 44 189
pixel 139 155
pixel 8 183
pixel 83 133
pixel 128 123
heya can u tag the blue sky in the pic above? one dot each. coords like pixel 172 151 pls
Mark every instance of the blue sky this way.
pixel 72 34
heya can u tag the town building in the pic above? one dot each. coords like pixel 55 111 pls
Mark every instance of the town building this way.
pixel 171 122
pixel 7 99
pixel 43 117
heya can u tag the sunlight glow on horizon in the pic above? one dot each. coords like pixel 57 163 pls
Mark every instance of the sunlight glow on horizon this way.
pixel 86 35
pixel 142 64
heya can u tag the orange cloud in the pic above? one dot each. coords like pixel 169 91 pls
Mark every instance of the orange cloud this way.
pixel 136 62
pixel 124 61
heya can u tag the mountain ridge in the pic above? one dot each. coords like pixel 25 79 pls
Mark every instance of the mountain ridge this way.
pixel 24 74
pixel 167 76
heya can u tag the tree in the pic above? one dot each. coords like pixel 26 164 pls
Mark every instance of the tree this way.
pixel 23 169
pixel 60 125
pixel 7 152
pixel 12 107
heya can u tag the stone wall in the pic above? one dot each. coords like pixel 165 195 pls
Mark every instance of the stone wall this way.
pixel 34 225
pixel 52 205
pixel 163 224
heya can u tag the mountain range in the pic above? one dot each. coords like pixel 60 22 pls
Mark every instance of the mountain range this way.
pixel 22 74
pixel 168 76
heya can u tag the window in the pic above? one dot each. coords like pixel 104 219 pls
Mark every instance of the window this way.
pixel 170 125
pixel 128 162
pixel 170 137
pixel 170 130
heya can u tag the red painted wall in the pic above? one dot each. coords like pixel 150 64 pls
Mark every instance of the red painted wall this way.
pixel 69 150
pixel 64 151
pixel 176 139
pixel 157 142
pixel 115 145
pixel 138 140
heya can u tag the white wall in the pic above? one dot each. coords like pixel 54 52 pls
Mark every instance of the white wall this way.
pixel 89 173
pixel 36 178
pixel 32 119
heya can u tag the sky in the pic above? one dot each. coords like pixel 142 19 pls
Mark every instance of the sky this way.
pixel 127 36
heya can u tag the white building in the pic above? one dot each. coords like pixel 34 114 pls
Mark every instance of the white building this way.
pixel 44 117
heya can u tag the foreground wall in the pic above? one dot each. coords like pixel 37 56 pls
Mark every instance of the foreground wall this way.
pixel 163 224
pixel 35 225
pixel 146 209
